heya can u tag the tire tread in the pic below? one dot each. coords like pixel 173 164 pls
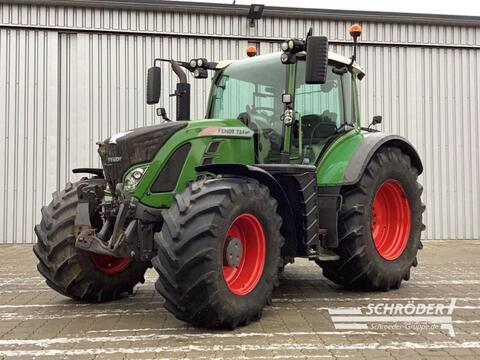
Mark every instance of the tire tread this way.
pixel 184 282
pixel 355 269
pixel 67 269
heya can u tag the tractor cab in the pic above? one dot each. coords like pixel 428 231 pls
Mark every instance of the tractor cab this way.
pixel 254 90
pixel 295 102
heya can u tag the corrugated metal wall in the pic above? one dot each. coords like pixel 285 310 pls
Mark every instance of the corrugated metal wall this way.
pixel 72 76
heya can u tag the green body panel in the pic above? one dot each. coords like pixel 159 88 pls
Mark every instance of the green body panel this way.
pixel 231 150
pixel 331 167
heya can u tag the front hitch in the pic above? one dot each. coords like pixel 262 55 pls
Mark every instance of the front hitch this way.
pixel 88 240
pixel 130 234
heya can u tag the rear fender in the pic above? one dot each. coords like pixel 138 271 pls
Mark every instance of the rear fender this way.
pixel 371 144
pixel 346 158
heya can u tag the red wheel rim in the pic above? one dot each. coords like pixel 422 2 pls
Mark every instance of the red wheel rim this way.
pixel 390 220
pixel 243 278
pixel 109 264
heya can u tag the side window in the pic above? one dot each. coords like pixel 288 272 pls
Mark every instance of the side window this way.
pixel 320 108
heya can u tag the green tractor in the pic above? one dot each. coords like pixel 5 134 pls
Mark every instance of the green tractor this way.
pixel 280 168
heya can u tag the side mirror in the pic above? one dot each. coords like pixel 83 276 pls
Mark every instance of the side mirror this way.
pixel 377 119
pixel 317 60
pixel 154 79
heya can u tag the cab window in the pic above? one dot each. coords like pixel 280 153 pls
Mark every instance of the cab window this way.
pixel 320 108
pixel 251 91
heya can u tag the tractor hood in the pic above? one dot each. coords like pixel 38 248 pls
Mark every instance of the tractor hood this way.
pixel 121 151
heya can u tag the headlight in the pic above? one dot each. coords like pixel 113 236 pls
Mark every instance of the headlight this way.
pixel 193 63
pixel 288 58
pixel 133 178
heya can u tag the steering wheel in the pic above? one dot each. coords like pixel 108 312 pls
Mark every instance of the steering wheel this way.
pixel 265 119
pixel 327 118
pixel 262 108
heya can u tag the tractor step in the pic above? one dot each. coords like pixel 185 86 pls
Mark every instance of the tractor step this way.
pixel 327 255
pixel 317 251
pixel 322 254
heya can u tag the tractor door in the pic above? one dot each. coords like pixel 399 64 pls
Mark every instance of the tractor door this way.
pixel 320 109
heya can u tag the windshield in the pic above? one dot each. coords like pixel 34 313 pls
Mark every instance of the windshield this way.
pixel 251 90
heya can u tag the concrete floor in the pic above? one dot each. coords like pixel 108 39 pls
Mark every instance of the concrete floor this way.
pixel 37 322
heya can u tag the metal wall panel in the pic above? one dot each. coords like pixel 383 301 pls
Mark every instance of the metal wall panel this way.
pixel 103 79
pixel 29 129
pixel 233 26
pixel 431 97
pixel 71 76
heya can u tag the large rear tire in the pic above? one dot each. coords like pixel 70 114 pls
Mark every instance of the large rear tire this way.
pixel 219 252
pixel 380 225
pixel 73 272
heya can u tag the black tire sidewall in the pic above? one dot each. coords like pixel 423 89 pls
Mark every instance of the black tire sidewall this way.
pixel 403 175
pixel 190 253
pixel 69 270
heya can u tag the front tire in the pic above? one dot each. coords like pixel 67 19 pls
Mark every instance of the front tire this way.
pixel 379 225
pixel 76 273
pixel 219 252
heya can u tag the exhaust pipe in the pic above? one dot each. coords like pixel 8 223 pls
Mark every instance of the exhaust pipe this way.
pixel 182 92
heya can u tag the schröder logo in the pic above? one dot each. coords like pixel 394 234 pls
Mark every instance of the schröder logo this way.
pixel 383 316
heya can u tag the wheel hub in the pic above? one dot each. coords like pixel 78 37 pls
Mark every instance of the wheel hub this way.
pixel 109 264
pixel 244 250
pixel 391 220
pixel 233 251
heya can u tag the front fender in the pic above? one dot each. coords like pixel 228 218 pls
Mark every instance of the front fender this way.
pixel 232 148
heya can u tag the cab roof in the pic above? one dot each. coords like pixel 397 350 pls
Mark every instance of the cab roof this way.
pixel 331 56
pixel 344 60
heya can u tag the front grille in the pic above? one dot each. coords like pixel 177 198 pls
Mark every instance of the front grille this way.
pixel 114 163
pixel 136 147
